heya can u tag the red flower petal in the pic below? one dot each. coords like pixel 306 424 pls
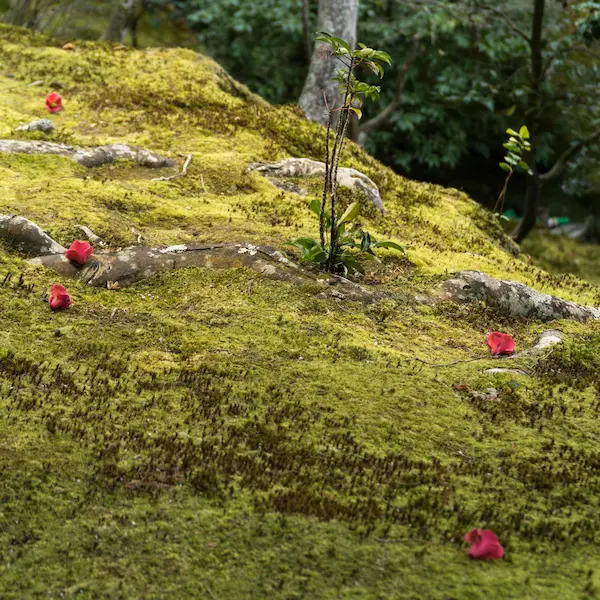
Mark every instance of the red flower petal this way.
pixel 59 298
pixel 79 252
pixel 54 102
pixel 484 545
pixel 500 343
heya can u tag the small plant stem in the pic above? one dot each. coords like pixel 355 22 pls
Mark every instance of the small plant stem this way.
pixel 326 183
pixel 335 160
pixel 499 206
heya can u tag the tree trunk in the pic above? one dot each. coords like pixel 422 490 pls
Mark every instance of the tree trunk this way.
pixel 339 18
pixel 532 199
pixel 120 22
pixel 534 184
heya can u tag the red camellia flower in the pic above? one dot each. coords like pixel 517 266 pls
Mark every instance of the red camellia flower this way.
pixel 484 545
pixel 79 252
pixel 54 102
pixel 59 298
pixel 500 343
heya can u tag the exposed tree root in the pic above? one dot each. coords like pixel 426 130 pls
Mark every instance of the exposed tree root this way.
pixel 129 265
pixel 512 298
pixel 88 157
pixel 136 263
pixel 27 237
pixel 304 167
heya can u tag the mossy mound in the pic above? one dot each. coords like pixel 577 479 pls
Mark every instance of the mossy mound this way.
pixel 215 434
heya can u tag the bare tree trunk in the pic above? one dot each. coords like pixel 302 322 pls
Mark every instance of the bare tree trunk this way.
pixel 339 18
pixel 120 22
pixel 306 28
pixel 534 184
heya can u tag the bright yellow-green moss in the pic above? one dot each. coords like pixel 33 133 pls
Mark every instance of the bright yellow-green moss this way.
pixel 214 434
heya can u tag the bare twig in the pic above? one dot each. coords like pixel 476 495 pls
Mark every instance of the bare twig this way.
pixel 95 239
pixel 502 14
pixel 21 84
pixel 561 163
pixel 188 160
pixel 137 234
pixel 203 186
pixel 451 364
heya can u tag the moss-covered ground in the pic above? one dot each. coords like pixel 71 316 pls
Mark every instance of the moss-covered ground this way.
pixel 211 434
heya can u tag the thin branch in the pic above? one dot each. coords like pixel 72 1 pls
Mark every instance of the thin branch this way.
pixel 21 84
pixel 561 163
pixel 95 239
pixel 387 112
pixel 188 160
pixel 450 364
pixel 507 19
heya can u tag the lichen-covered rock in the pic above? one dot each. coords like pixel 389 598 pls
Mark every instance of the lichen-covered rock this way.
pixel 298 168
pixel 43 125
pixel 513 298
pixel 88 157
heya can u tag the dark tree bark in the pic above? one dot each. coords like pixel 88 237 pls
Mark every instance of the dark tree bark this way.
pixel 306 28
pixel 534 184
pixel 120 22
pixel 339 18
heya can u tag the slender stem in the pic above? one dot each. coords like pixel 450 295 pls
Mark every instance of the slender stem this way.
pixel 335 159
pixel 499 207
pixel 326 183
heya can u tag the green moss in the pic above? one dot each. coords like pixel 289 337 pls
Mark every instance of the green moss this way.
pixel 213 432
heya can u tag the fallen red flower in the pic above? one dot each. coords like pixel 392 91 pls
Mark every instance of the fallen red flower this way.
pixel 79 252
pixel 484 545
pixel 500 343
pixel 59 298
pixel 54 102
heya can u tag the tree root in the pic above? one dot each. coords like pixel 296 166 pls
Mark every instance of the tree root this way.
pixel 512 298
pixel 304 167
pixel 130 265
pixel 88 157
pixel 26 237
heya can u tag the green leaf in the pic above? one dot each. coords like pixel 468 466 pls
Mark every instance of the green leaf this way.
pixel 511 146
pixel 315 206
pixel 511 111
pixel 305 243
pixel 505 167
pixel 357 111
pixel 341 42
pixel 351 213
pixel 524 132
pixel 388 245
pixel 512 132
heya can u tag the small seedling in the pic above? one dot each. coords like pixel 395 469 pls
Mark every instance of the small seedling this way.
pixel 517 144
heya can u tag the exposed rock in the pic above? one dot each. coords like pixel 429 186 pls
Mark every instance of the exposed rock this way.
pixel 88 157
pixel 513 298
pixel 303 167
pixel 44 125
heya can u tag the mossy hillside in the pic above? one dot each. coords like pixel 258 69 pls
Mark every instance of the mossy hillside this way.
pixel 216 431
